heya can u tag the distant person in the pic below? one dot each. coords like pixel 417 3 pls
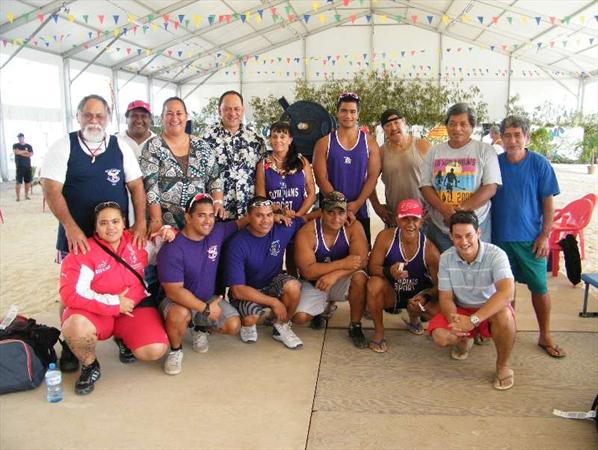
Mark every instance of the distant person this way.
pixel 460 174
pixel 403 271
pixel 238 148
pixel 23 153
pixel 401 156
pixel 331 258
pixel 495 139
pixel 522 212
pixel 139 120
pixel 347 160
pixel 475 290
pixel 177 166
pixel 103 294
pixel 82 169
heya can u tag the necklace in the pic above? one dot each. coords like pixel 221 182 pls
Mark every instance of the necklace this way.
pixel 94 151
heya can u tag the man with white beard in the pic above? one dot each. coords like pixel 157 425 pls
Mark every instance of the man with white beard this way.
pixel 83 169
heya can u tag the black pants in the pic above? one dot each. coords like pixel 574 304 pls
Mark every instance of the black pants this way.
pixel 366 227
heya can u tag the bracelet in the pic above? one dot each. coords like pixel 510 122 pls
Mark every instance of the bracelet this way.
pixel 218 202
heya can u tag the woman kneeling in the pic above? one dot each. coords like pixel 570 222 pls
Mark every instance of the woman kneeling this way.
pixel 101 295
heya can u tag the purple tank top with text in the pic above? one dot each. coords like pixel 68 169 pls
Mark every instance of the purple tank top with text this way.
pixel 287 191
pixel 348 169
pixel 339 249
pixel 418 278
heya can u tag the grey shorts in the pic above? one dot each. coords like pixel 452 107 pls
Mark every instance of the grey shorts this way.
pixel 313 300
pixel 199 319
pixel 274 289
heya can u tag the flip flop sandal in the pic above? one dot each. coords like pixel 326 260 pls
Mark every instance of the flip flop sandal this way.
pixel 415 329
pixel 502 384
pixel 378 346
pixel 553 351
pixel 457 354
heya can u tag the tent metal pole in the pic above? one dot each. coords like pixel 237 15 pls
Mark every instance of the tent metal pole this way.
pixel 3 150
pixel 115 106
pixel 440 52
pixel 150 92
pixel 508 83
pixel 96 57
pixel 68 104
pixel 304 41
pixel 240 77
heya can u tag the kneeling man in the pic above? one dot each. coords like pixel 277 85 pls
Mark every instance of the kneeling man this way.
pixel 253 271
pixel 404 273
pixel 475 290
pixel 331 257
pixel 187 271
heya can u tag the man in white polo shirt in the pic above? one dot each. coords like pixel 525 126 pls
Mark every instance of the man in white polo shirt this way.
pixel 475 290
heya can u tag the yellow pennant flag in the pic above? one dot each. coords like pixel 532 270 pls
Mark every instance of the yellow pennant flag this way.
pixel 131 18
pixel 582 19
pixel 10 17
pixel 322 18
pixel 196 20
pixel 154 26
pixel 189 54
pixel 445 19
pixel 315 6
pixel 524 20
pixel 383 18
pixel 70 18
pixel 116 31
pixel 466 18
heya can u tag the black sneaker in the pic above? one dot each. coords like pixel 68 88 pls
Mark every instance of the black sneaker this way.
pixel 318 322
pixel 125 354
pixel 68 362
pixel 89 375
pixel 357 336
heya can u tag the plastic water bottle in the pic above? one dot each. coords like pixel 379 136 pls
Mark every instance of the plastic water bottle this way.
pixel 55 392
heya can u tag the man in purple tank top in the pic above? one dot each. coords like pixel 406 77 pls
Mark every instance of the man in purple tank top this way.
pixel 404 274
pixel 348 160
pixel 331 259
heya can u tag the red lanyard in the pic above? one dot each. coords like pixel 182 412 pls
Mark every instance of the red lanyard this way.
pixel 95 151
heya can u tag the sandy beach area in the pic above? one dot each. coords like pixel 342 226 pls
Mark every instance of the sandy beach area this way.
pixel 29 276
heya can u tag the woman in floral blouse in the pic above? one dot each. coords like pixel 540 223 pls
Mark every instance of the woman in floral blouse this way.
pixel 176 166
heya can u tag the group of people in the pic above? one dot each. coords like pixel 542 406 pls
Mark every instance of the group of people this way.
pixel 164 234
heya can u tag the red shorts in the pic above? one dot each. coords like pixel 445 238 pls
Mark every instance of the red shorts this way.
pixel 144 328
pixel 439 321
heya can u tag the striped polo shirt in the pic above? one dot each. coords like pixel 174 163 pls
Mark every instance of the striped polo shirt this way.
pixel 473 284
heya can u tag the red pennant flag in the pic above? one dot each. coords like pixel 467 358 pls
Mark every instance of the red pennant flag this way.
pixel 413 19
pixel 128 50
pixel 40 17
pixel 494 20
pixel 177 25
pixel 352 18
pixel 345 2
pixel 169 52
pixel 552 19
pixel 412 52
pixel 166 17
pixel 101 19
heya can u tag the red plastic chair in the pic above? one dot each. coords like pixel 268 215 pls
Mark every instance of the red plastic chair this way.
pixel 571 219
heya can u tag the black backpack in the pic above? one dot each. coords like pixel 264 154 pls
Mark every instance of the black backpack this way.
pixel 26 350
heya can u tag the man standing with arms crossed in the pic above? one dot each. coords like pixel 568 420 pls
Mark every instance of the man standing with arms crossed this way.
pixel 348 160
pixel 23 153
pixel 522 212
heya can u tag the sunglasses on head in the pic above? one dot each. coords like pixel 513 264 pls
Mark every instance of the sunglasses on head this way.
pixel 260 203
pixel 100 206
pixel 197 198
pixel 351 95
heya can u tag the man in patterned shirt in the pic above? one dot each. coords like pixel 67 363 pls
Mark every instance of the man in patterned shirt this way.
pixel 238 149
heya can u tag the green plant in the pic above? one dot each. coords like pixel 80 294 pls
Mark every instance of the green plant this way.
pixel 206 117
pixel 540 142
pixel 265 112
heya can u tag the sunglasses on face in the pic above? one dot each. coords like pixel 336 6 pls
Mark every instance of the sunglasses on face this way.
pixel 348 95
pixel 197 198
pixel 260 203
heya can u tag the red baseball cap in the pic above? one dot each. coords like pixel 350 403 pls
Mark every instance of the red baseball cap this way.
pixel 410 208
pixel 138 104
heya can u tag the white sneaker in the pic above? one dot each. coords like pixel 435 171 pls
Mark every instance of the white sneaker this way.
pixel 249 334
pixel 282 332
pixel 174 362
pixel 200 341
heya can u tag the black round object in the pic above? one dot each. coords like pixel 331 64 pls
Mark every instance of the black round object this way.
pixel 309 122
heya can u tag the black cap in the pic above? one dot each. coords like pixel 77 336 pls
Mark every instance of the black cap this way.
pixel 388 114
pixel 20 135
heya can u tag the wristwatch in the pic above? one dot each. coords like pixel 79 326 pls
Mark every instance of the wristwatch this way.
pixel 475 320
pixel 206 311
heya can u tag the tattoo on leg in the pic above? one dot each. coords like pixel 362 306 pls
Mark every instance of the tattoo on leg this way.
pixel 84 348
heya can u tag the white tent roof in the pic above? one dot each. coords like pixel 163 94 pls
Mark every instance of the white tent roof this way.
pixel 186 41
